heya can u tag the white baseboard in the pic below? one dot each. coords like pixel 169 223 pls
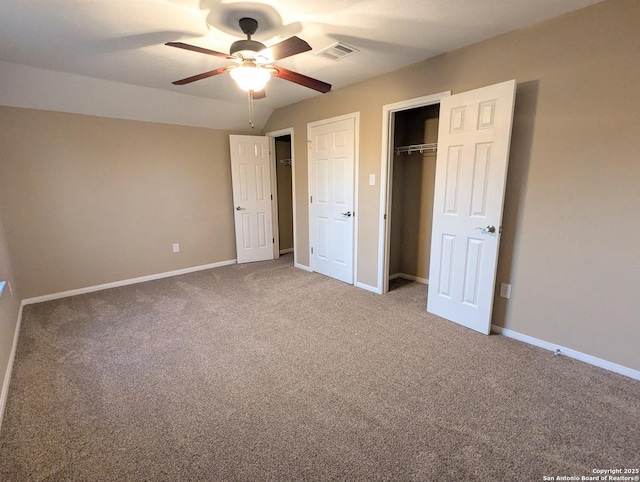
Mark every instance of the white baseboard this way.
pixel 561 350
pixel 373 289
pixel 286 251
pixel 116 284
pixel 303 267
pixel 7 376
pixel 409 277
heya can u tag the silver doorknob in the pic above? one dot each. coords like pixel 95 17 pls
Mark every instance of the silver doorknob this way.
pixel 348 214
pixel 489 229
pixel 238 208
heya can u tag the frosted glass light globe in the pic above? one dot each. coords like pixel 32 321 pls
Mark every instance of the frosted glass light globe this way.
pixel 250 77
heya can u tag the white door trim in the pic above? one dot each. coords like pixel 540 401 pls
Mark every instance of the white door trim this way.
pixel 386 171
pixel 272 147
pixel 356 177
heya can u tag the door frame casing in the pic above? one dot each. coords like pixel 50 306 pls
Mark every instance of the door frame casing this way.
pixel 274 189
pixel 386 178
pixel 356 172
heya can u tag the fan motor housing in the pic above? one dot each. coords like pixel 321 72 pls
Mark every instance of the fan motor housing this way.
pixel 246 46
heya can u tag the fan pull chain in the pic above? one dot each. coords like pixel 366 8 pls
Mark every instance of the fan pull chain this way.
pixel 251 110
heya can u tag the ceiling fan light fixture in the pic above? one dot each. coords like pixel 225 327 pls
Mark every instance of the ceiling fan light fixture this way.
pixel 253 60
pixel 250 77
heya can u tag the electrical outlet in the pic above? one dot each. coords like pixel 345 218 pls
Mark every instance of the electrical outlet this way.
pixel 372 179
pixel 176 247
pixel 505 290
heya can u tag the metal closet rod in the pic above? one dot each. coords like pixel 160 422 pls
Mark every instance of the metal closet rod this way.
pixel 421 148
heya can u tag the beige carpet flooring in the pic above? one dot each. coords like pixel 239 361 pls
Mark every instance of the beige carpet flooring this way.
pixel 266 372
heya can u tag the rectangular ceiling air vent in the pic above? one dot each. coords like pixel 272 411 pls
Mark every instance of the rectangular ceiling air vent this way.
pixel 337 51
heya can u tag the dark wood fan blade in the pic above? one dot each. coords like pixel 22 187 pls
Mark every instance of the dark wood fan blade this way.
pixel 314 84
pixel 291 46
pixel 195 48
pixel 259 95
pixel 204 75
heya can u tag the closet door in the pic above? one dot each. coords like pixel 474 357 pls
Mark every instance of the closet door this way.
pixel 471 170
pixel 251 181
pixel 332 151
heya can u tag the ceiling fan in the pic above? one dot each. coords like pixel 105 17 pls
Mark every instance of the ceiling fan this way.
pixel 254 62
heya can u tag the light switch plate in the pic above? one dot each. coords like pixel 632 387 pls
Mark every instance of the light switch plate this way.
pixel 505 290
pixel 372 179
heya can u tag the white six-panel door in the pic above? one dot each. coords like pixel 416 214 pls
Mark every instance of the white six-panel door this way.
pixel 251 179
pixel 471 168
pixel 331 185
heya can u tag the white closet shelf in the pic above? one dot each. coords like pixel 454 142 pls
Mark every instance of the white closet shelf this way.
pixel 421 148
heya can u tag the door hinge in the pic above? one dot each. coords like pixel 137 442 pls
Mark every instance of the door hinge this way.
pixel 311 198
pixel 385 216
pixel 272 197
pixel 312 250
pixel 273 240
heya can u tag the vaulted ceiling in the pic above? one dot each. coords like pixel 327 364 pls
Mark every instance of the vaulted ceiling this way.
pixel 123 41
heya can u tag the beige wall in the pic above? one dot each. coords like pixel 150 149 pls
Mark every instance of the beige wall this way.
pixel 571 230
pixel 285 200
pixel 89 200
pixel 395 218
pixel 9 309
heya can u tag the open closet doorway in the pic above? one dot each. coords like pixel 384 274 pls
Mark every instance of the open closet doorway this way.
pixel 411 134
pixel 468 200
pixel 414 177
pixel 281 146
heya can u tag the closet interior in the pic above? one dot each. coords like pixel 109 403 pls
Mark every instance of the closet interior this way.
pixel 284 193
pixel 413 182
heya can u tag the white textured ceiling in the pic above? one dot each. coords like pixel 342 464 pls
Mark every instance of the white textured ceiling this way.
pixel 123 40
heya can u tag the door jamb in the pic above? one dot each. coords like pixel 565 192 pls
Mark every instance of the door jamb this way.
pixel 386 181
pixel 274 189
pixel 356 173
